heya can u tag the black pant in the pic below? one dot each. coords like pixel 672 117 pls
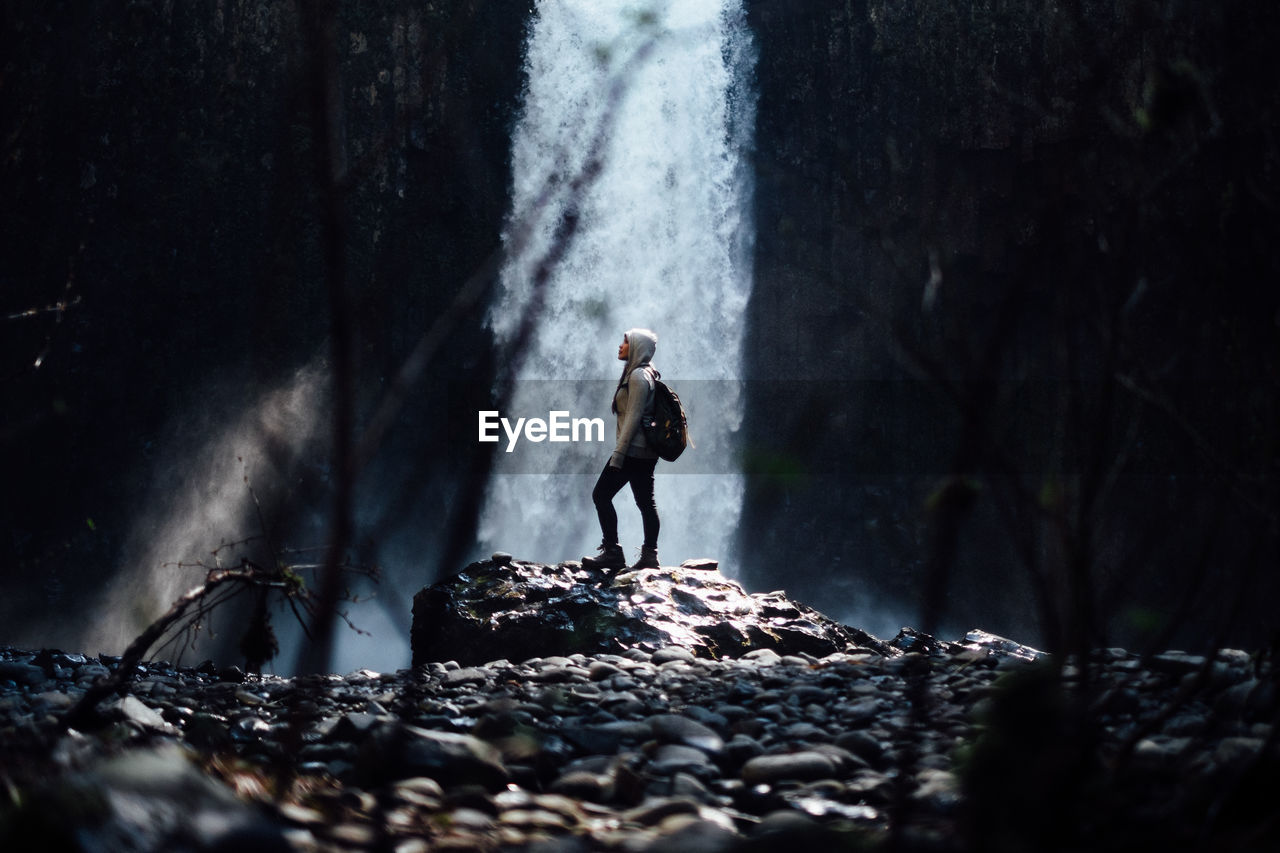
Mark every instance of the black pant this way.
pixel 639 473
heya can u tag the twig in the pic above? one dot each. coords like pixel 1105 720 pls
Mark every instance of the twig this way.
pixel 83 711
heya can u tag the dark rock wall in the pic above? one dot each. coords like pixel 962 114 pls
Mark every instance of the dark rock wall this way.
pixel 159 173
pixel 1027 249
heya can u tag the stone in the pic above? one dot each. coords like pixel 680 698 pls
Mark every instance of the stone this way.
pixel 1235 657
pixel 208 733
pixel 658 809
pixel 397 751
pixel 54 700
pixel 685 785
pixel 606 738
pixel 668 654
pixel 1236 752
pixel 353 726
pixel 940 789
pixel 1160 751
pixel 1177 663
pixel 599 671
pixel 696 835
pixel 465 675
pixel 795 766
pixel 740 749
pixel 21 673
pixel 845 761
pixel 493 606
pixel 767 657
pixel 249 728
pixel 984 641
pixel 863 745
pixel 584 785
pixel 671 758
pixel 672 728
pixel 132 709
pixel 148 800
pixel 232 674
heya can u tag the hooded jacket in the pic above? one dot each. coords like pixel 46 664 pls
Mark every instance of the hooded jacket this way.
pixel 633 397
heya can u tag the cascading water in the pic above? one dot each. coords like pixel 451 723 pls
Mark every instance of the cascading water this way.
pixel 636 120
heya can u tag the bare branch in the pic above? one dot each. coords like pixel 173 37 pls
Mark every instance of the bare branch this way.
pixel 137 650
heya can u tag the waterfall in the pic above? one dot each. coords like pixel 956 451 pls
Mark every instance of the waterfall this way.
pixel 660 92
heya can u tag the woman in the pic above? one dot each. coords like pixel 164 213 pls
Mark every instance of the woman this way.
pixel 632 461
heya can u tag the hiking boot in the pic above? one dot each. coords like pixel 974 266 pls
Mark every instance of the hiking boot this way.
pixel 648 558
pixel 611 557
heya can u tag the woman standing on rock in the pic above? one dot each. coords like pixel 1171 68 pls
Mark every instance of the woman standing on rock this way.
pixel 633 461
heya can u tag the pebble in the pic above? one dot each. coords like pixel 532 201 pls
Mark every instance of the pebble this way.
pixel 668 654
pixel 803 766
pixel 643 750
pixel 672 728
pixel 21 673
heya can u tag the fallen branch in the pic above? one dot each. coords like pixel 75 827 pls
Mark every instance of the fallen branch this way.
pixel 248 573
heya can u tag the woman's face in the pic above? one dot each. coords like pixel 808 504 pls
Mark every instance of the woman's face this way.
pixel 625 349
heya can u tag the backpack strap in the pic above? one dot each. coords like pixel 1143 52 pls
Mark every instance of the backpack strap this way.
pixel 654 376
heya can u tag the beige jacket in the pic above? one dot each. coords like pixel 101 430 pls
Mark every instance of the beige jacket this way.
pixel 633 397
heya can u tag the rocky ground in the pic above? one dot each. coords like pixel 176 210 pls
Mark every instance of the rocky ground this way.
pixel 957 746
pixel 662 710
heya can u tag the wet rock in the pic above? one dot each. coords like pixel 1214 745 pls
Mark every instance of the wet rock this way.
pixel 1249 699
pixel 232 674
pixel 672 728
pixel 605 738
pixel 396 751
pixel 976 646
pixel 353 726
pixel 863 745
pixel 672 653
pixel 797 766
pixel 1177 663
pixel 685 785
pixel 979 640
pixel 672 758
pixel 1235 657
pixel 695 835
pixel 21 673
pixel 938 789
pixel 1235 752
pixel 658 809
pixel 466 675
pixel 766 657
pixel 600 670
pixel 740 749
pixel 494 606
pixel 249 729
pixel 131 709
pixel 206 732
pixel 1159 751
pixel 584 785
pixel 911 640
pixel 144 800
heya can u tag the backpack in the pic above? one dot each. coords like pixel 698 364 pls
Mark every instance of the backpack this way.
pixel 665 426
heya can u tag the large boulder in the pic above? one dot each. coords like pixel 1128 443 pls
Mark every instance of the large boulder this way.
pixel 507 608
